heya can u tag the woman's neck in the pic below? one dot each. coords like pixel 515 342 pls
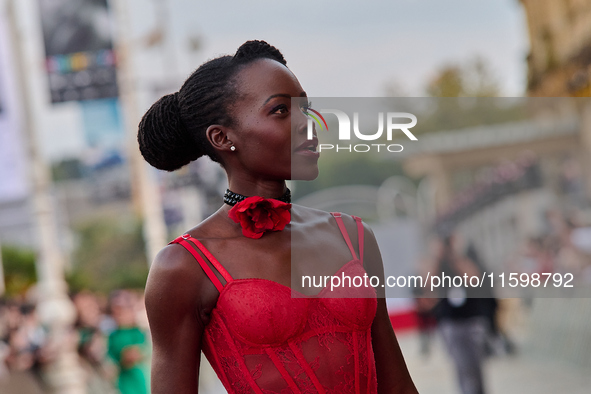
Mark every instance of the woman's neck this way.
pixel 266 189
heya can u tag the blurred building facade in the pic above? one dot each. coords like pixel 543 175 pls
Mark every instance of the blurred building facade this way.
pixel 559 65
pixel 557 135
pixel 456 164
pixel 559 62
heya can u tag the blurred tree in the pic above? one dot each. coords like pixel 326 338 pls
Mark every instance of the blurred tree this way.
pixel 473 79
pixel 447 83
pixel 110 255
pixel 467 97
pixel 19 269
pixel 479 80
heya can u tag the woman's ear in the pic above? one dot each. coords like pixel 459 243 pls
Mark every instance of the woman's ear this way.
pixel 218 137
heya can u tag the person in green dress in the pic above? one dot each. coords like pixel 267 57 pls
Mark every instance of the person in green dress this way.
pixel 128 347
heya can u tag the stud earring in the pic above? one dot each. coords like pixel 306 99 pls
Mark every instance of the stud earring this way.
pixel 232 148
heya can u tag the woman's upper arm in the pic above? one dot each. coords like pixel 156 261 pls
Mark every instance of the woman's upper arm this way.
pixel 391 370
pixel 173 301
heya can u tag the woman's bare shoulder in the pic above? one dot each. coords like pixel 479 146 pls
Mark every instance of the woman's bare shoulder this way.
pixel 174 264
pixel 174 261
pixel 174 274
pixel 177 283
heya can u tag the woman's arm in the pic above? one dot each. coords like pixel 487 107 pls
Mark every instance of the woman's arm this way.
pixel 392 373
pixel 174 299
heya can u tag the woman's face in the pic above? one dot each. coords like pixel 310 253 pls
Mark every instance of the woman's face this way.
pixel 270 133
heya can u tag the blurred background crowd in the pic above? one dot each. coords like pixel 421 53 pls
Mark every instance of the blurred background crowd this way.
pixel 110 337
pixel 498 181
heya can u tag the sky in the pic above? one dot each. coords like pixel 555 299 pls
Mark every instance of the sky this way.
pixel 335 48
pixel 354 48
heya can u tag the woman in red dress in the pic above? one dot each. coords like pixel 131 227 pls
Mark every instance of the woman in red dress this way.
pixel 225 286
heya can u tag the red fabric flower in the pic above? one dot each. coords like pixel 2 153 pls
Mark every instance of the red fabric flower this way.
pixel 257 215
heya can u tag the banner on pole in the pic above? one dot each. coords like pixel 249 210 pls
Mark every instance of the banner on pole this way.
pixel 80 60
pixel 13 171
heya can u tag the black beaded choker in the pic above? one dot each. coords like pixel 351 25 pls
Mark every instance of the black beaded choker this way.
pixel 232 198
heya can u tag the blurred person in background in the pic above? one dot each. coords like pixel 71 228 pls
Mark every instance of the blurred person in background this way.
pixel 580 239
pixel 498 341
pixel 4 348
pixel 128 346
pixel 571 257
pixel 24 349
pixel 464 321
pixel 92 345
pixel 26 341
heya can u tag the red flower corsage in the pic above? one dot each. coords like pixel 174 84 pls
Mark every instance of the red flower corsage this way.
pixel 257 215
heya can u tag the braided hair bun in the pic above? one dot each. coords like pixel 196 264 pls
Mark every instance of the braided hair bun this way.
pixel 171 134
pixel 164 140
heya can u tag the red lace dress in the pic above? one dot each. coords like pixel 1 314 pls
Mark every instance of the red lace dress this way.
pixel 262 340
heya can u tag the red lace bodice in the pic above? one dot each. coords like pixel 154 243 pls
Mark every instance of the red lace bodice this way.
pixel 262 340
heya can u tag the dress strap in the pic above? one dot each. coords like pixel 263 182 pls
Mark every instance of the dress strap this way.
pixel 339 219
pixel 360 232
pixel 184 239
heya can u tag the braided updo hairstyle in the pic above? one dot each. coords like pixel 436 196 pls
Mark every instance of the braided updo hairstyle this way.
pixel 172 132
